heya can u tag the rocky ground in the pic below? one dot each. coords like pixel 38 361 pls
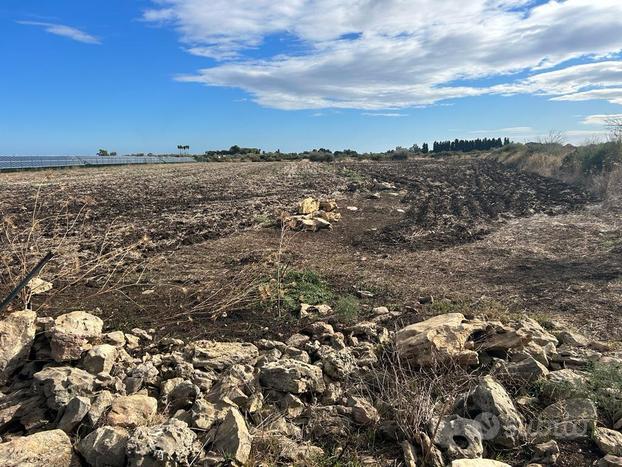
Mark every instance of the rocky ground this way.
pixel 444 391
pixel 436 329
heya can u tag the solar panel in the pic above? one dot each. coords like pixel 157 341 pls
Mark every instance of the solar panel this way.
pixel 33 162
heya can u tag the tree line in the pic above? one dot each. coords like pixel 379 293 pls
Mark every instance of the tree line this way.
pixel 466 145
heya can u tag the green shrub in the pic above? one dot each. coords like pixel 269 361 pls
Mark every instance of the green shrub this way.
pixel 595 158
pixel 304 287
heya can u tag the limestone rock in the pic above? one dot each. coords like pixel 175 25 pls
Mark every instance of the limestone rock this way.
pixel 608 441
pixel 557 383
pixel 488 399
pixel 567 420
pixel 571 338
pixel 105 447
pixel 439 340
pixel 610 461
pixel 545 453
pixel 17 333
pixel 536 332
pixel 213 355
pixel 178 393
pixel 363 412
pixel 338 365
pixel 459 437
pixel 132 411
pixel 100 359
pixel 38 286
pixel 76 410
pixel 46 448
pixel 71 334
pixel 233 438
pixel 61 384
pixel 165 445
pixel 528 369
pixel 410 459
pixel 478 463
pixel 289 375
pixel 308 206
pixel 99 405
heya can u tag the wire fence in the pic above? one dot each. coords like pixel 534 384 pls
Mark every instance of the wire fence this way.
pixel 41 162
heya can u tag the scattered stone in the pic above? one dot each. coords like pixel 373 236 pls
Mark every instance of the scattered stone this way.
pixel 116 338
pixel 72 333
pixel 105 447
pixel 17 333
pixel 233 438
pixel 38 286
pixel 178 393
pixel 170 444
pixel 46 448
pixel 132 411
pixel 573 339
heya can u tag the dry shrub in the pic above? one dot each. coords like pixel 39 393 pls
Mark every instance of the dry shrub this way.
pixel 26 238
pixel 411 397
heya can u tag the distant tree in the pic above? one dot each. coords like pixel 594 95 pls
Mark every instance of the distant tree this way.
pixel 102 153
pixel 614 125
pixel 113 153
pixel 424 148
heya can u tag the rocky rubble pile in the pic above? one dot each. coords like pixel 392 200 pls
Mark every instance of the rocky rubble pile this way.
pixel 72 393
pixel 313 215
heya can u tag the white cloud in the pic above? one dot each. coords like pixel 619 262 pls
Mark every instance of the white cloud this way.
pixel 384 114
pixel 64 31
pixel 601 119
pixel 386 54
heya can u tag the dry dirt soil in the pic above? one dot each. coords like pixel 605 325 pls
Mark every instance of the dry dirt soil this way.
pixel 169 247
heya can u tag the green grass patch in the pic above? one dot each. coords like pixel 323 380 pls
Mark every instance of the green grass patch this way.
pixel 347 307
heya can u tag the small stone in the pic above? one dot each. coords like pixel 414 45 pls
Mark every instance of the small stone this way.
pixel 61 384
pixel 545 453
pixel 38 286
pixel 459 437
pixel 478 463
pixel 610 461
pixel 116 338
pixel 214 355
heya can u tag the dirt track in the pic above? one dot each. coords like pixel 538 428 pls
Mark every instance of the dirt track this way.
pixel 470 231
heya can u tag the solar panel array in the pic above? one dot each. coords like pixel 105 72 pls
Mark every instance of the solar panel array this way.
pixel 33 162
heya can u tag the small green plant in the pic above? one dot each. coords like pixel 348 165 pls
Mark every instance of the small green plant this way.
pixel 294 288
pixel 347 307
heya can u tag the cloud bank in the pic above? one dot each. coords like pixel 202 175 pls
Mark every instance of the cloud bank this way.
pixel 392 54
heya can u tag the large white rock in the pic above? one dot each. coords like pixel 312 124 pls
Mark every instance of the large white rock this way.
pixel 72 333
pixel 441 339
pixel 567 420
pixel 100 359
pixel 459 437
pixel 478 463
pixel 43 449
pixel 17 332
pixel 608 441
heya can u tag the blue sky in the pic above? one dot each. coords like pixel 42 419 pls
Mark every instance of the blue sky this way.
pixel 147 75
